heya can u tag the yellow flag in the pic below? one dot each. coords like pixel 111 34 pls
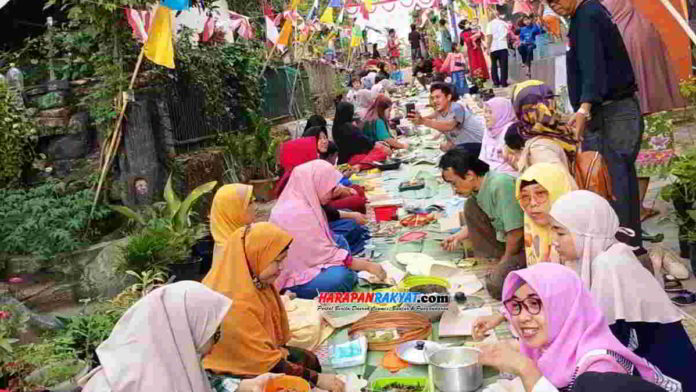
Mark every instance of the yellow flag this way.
pixel 159 47
pixel 284 37
pixel 355 41
pixel 327 16
pixel 294 4
pixel 368 5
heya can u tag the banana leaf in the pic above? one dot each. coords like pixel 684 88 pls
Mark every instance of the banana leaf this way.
pixel 181 218
pixel 173 202
pixel 128 213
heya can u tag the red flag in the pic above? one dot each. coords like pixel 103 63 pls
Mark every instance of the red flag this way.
pixel 208 29
pixel 139 22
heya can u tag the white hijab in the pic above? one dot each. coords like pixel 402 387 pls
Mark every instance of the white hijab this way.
pixel 154 345
pixel 622 287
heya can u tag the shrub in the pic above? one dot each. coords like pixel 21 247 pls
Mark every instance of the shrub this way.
pixel 17 137
pixel 44 220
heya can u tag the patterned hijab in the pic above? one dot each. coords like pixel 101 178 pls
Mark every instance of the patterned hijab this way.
pixel 537 117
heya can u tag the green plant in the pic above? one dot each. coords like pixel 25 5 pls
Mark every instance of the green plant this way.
pixel 46 220
pixel 687 88
pixel 147 281
pixel 683 168
pixel 82 334
pixel 12 322
pixel 177 213
pixel 251 156
pixel 157 247
pixel 17 138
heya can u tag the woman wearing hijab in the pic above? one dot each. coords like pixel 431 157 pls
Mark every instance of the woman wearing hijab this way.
pixel 563 334
pixel 315 262
pixel 158 343
pixel 473 41
pixel 637 309
pixel 314 120
pixel 353 146
pixel 499 115
pixel 376 123
pixel 537 189
pixel 233 207
pixel 539 135
pixel 255 330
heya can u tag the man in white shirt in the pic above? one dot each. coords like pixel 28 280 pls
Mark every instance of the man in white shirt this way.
pixel 497 39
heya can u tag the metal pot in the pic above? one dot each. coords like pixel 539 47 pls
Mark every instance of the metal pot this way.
pixel 466 377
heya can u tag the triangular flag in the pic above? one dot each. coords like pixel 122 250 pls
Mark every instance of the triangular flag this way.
pixel 339 20
pixel 313 11
pixel 208 29
pixel 368 5
pixel 356 36
pixel 284 38
pixel 177 5
pixel 159 47
pixel 327 17
pixel 294 4
pixel 271 31
pixel 364 11
pixel 335 3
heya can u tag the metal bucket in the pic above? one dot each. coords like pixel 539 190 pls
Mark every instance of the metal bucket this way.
pixel 467 377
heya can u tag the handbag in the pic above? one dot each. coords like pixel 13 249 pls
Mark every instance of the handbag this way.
pixel 591 173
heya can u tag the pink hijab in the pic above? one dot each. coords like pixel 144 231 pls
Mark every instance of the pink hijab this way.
pixel 503 114
pixel 298 211
pixel 577 325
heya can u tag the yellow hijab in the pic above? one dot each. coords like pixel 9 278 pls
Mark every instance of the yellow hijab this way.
pixel 256 326
pixel 228 212
pixel 557 182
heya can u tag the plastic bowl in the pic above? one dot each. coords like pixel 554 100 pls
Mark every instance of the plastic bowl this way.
pixel 287 382
pixel 385 213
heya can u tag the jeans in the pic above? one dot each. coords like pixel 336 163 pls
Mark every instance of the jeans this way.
pixel 499 60
pixel 332 279
pixel 615 131
pixel 459 81
pixel 527 53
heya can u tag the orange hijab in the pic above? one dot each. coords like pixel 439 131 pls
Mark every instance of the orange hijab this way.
pixel 228 212
pixel 256 326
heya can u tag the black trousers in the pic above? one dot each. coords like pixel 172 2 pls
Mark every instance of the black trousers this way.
pixel 527 53
pixel 499 60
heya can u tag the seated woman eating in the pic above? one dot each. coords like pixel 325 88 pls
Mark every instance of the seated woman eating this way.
pixel 315 262
pixel 353 146
pixel 255 330
pixel 157 344
pixel 539 135
pixel 313 145
pixel 563 334
pixel 376 123
pixel 639 312
pixel 537 189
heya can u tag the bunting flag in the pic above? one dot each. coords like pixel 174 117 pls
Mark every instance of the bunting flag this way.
pixel 294 4
pixel 271 31
pixel 267 10
pixel 368 5
pixel 139 22
pixel 339 20
pixel 356 37
pixel 284 38
pixel 241 25
pixel 327 17
pixel 335 3
pixel 365 13
pixel 177 5
pixel 159 47
pixel 208 29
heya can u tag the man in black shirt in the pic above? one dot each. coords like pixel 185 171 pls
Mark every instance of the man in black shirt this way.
pixel 414 38
pixel 602 88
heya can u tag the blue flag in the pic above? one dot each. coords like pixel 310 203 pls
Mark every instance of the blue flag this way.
pixel 177 5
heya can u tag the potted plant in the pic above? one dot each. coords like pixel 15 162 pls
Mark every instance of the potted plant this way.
pixel 168 236
pixel 251 157
pixel 682 194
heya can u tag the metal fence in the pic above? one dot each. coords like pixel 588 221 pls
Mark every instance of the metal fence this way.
pixel 286 93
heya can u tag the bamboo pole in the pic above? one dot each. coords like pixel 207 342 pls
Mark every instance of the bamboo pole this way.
pixel 680 19
pixel 268 58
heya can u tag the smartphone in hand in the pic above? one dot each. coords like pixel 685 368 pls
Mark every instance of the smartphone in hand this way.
pixel 410 107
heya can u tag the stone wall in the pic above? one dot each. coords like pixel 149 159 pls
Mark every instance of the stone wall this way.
pixel 66 136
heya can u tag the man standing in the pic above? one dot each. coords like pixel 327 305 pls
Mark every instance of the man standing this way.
pixel 496 37
pixel 494 219
pixel 461 127
pixel 414 38
pixel 602 90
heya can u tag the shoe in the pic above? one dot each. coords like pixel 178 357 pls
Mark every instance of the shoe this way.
pixel 684 298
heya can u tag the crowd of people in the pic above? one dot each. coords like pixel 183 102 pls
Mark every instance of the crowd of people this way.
pixel 587 312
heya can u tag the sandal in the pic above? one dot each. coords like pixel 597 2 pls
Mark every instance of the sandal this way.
pixel 685 298
pixel 654 238
pixel 672 285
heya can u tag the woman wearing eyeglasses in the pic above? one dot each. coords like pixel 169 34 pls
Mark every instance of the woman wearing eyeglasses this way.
pixel 256 330
pixel 158 344
pixel 639 312
pixel 562 334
